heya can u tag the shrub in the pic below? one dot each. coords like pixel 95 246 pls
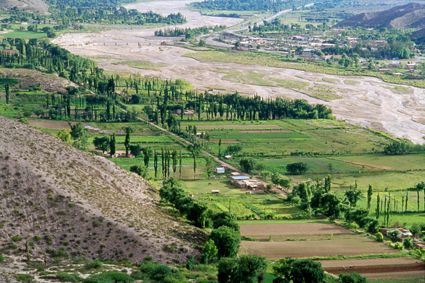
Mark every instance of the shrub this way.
pixel 16 238
pixel 408 243
pixel 137 275
pixel 1 258
pixel 95 264
pixel 399 246
pixel 109 277
pixel 65 277
pixel 26 278
pixel 379 237
pixel 352 278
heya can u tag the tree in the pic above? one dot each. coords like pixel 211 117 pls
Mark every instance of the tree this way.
pixel 210 251
pixel 101 143
pixel 369 196
pixel 353 195
pixel 225 219
pixel 140 170
pixel 247 164
pixel 297 168
pixel 298 271
pixel 135 150
pixel 219 147
pixel 7 90
pixel 64 135
pixel 78 134
pixel 112 144
pixel 377 207
pixel 281 180
pixel 245 269
pixel 351 278
pixel 202 43
pixel 227 241
pixel 128 131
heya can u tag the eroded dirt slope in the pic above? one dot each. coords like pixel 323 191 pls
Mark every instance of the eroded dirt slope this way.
pixel 58 197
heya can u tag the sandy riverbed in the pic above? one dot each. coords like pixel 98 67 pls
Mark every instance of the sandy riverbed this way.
pixel 370 103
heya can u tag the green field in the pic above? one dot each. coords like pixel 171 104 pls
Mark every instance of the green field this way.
pixel 23 34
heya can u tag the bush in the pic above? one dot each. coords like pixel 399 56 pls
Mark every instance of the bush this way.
pixel 25 278
pixel 352 278
pixel 408 243
pixel 137 275
pixel 95 264
pixel 297 168
pixel 65 277
pixel 1 258
pixel 399 246
pixel 379 237
pixel 109 277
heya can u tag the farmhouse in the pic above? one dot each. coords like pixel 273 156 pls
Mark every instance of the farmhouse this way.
pixel 228 157
pixel 402 233
pixel 244 182
pixel 220 170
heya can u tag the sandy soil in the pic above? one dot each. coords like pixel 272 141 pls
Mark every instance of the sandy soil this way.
pixel 368 104
pixel 291 229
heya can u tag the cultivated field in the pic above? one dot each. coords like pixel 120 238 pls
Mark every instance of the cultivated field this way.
pixel 357 245
pixel 372 103
pixel 291 229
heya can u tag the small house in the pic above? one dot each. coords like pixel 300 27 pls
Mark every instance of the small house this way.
pixel 228 157
pixel 220 170
pixel 235 174
pixel 215 191
pixel 402 233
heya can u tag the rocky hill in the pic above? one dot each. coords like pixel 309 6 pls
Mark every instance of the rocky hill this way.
pixel 411 15
pixel 64 202
pixel 38 6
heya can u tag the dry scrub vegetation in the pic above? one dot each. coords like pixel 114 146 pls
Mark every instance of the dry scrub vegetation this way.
pixel 58 200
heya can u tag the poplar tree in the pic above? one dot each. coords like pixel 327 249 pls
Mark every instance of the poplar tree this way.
pixel 112 143
pixel 369 196
pixel 155 163
pixel 377 206
pixel 6 88
pixel 180 165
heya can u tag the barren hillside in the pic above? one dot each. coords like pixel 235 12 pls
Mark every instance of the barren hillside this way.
pixel 411 15
pixel 38 6
pixel 64 201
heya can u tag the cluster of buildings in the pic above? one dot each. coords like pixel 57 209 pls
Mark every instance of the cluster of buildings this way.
pixel 403 234
pixel 244 182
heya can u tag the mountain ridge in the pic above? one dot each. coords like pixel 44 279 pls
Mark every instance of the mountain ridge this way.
pixel 411 15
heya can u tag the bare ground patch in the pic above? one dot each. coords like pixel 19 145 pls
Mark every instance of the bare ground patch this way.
pixel 291 229
pixel 298 249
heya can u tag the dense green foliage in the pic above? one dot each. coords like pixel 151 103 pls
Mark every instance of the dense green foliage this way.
pixel 188 32
pixel 298 271
pixel 246 268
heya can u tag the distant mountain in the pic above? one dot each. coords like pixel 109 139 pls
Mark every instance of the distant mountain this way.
pixel 63 201
pixel 38 6
pixel 411 15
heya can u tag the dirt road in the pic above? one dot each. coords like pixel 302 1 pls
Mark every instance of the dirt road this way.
pixel 366 101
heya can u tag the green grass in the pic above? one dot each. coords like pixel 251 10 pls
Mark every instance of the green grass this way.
pixel 399 280
pixel 23 34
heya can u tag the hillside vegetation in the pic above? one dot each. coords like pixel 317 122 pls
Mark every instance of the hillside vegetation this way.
pixel 38 6
pixel 411 15
pixel 60 201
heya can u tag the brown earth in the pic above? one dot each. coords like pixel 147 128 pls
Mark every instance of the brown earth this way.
pixel 298 249
pixel 57 196
pixel 291 229
pixel 377 268
pixel 53 125
pixel 368 104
